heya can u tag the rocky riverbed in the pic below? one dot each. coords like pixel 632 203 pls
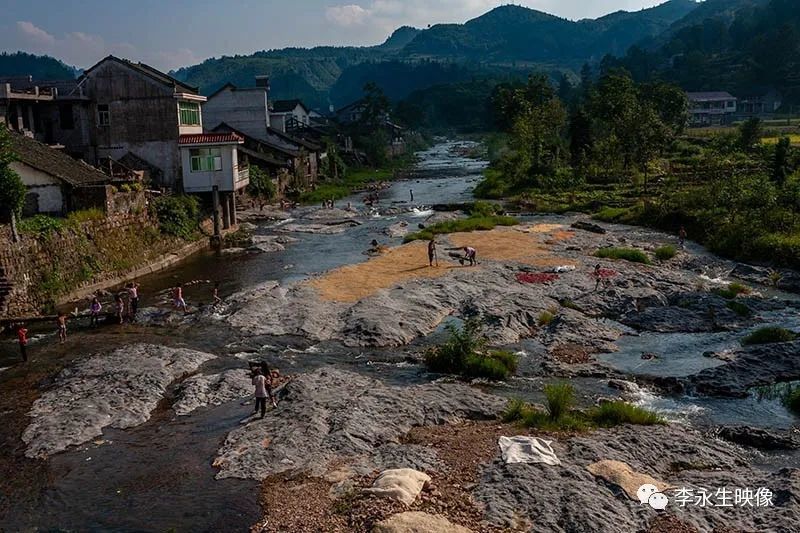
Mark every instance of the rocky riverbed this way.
pixel 349 331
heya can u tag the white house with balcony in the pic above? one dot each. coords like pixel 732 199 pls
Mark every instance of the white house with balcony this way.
pixel 212 163
pixel 711 108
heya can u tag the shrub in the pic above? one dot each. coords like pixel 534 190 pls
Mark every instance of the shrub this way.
pixel 76 218
pixel 41 225
pixel 792 400
pixel 610 414
pixel 768 336
pixel 515 410
pixel 261 184
pixel 569 304
pixel 732 291
pixel 464 353
pixel 560 399
pixel 177 215
pixel 739 308
pixel 545 318
pixel 483 209
pixel 481 366
pixel 610 214
pixel 474 223
pixel 666 252
pixel 628 254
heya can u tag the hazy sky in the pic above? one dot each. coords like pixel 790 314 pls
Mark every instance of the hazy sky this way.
pixel 172 33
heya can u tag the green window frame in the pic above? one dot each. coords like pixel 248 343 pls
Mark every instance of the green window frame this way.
pixel 206 159
pixel 189 113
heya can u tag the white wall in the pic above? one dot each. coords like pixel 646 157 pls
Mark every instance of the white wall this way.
pixel 225 179
pixel 278 121
pixel 244 110
pixel 46 187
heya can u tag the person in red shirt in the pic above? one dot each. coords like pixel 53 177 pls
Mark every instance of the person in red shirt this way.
pixel 22 335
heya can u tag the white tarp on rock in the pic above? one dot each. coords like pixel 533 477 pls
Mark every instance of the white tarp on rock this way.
pixel 524 449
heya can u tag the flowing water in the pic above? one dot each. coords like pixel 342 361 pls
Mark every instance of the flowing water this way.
pixel 159 475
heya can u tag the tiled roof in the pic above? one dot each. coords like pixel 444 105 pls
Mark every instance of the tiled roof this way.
pixel 284 106
pixel 714 95
pixel 55 162
pixel 210 138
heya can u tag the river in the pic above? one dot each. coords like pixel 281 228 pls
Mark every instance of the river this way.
pixel 159 476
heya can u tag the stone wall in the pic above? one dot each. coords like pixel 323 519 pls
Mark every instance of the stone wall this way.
pixel 111 200
pixel 42 270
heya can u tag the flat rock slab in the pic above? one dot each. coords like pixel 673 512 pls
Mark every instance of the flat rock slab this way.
pixel 215 389
pixel 318 229
pixel 418 522
pixel 332 414
pixel 117 390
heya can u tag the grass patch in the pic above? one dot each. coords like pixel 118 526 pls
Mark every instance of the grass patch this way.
pixel 732 291
pixel 769 336
pixel 666 252
pixel 353 180
pixel 473 223
pixel 560 399
pixel 611 214
pixel 609 414
pixel 739 308
pixel 627 254
pixel 464 353
pixel 40 225
pixel 569 304
pixel 545 318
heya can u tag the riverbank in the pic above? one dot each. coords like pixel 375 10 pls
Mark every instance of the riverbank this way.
pixel 349 328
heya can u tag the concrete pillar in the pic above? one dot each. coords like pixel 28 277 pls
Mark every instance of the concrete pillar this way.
pixel 30 119
pixel 215 213
pixel 233 209
pixel 226 214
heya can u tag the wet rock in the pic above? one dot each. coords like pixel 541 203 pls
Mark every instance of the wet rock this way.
pixel 588 226
pixel 783 279
pixel 329 214
pixel 418 522
pixel 331 414
pixel 762 439
pixel 443 216
pixel 318 229
pixel 553 496
pixel 398 229
pixel 215 389
pixel 117 390
pixel 751 366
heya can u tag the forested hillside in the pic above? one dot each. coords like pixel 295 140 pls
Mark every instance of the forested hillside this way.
pixel 40 67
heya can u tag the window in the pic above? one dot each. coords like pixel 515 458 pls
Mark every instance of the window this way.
pixel 189 113
pixel 206 159
pixel 65 117
pixel 103 115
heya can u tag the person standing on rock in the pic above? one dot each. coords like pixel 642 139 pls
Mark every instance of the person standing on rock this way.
pixel 61 322
pixel 120 305
pixel 260 383
pixel 215 294
pixel 177 295
pixel 682 237
pixel 94 311
pixel 432 253
pixel 133 299
pixel 22 336
pixel 411 192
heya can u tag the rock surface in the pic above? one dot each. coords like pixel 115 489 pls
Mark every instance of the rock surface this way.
pixel 332 414
pixel 418 522
pixel 117 390
pixel 215 389
pixel 551 497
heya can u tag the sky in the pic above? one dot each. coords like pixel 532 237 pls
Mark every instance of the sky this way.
pixel 169 34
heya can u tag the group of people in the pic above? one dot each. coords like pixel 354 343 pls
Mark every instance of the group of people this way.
pixel 263 382
pixel 126 305
pixel 470 255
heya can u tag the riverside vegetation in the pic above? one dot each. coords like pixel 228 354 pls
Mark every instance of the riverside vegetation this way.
pixel 618 149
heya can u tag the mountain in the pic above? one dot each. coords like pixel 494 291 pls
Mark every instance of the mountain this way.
pixel 40 67
pixel 508 38
pixel 515 33
pixel 744 47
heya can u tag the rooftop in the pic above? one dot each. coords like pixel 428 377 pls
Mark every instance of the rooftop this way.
pixel 211 138
pixel 55 162
pixel 713 95
pixel 284 106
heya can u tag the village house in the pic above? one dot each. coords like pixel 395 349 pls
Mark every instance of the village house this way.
pixel 350 115
pixel 711 108
pixel 285 115
pixel 55 182
pixel 246 112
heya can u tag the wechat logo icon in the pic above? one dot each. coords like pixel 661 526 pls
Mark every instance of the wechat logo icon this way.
pixel 650 495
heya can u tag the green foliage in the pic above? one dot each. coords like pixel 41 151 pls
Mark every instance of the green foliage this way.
pixel 475 223
pixel 464 353
pixel 261 184
pixel 732 290
pixel 76 218
pixel 769 335
pixel 569 304
pixel 792 401
pixel 514 411
pixel 739 308
pixel 178 216
pixel 545 318
pixel 560 399
pixel 12 190
pixel 609 414
pixel 628 254
pixel 39 67
pixel 41 226
pixel 666 252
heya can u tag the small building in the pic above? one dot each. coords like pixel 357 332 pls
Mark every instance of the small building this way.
pixel 283 112
pixel 245 109
pixel 55 181
pixel 761 104
pixel 711 108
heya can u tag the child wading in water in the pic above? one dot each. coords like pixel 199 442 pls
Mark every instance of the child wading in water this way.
pixel 22 336
pixel 177 294
pixel 61 321
pixel 133 299
pixel 215 294
pixel 94 311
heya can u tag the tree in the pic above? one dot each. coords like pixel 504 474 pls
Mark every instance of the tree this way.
pixel 375 107
pixel 12 190
pixel 260 183
pixel 750 133
pixel 580 137
pixel 780 166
